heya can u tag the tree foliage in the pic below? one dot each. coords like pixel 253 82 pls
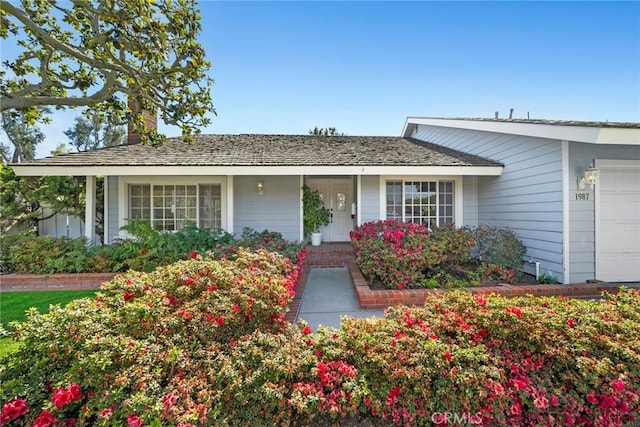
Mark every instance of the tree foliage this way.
pixel 91 131
pixel 23 137
pixel 328 131
pixel 120 58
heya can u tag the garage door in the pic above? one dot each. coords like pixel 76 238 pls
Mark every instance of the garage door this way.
pixel 618 221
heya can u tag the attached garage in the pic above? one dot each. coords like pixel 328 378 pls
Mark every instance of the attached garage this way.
pixel 617 215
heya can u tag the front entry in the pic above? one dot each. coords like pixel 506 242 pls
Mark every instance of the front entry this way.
pixel 337 194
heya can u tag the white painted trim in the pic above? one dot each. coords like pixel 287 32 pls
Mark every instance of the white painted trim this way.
pixel 566 243
pixel 90 209
pixel 183 171
pixel 382 194
pixel 227 214
pixel 105 214
pixel 301 209
pixel 588 134
pixel 359 200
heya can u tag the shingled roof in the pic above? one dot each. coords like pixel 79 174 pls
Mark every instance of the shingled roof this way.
pixel 274 150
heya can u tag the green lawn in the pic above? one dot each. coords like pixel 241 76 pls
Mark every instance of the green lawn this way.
pixel 14 304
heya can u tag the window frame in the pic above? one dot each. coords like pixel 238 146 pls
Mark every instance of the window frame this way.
pixel 457 193
pixel 126 181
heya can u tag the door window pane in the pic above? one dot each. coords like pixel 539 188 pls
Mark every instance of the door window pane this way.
pixel 210 206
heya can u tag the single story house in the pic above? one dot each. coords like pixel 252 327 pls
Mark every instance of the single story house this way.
pixel 518 174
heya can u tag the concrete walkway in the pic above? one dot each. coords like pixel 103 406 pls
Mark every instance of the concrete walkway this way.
pixel 328 295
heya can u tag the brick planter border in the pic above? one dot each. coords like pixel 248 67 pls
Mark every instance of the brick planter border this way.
pixel 53 282
pixel 376 299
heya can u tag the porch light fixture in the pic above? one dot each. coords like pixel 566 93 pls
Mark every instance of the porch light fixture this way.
pixel 589 178
pixel 260 187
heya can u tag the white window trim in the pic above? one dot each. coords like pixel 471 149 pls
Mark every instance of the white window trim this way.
pixel 458 192
pixel 125 181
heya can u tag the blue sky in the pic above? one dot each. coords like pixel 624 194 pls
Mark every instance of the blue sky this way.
pixel 363 67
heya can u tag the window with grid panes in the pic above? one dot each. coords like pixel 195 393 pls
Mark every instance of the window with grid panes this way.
pixel 171 207
pixel 424 202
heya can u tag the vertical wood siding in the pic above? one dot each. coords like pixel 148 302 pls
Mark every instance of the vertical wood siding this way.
pixel 527 197
pixel 278 209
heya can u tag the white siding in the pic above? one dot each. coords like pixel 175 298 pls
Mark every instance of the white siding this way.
pixel 526 198
pixel 370 209
pixel 278 209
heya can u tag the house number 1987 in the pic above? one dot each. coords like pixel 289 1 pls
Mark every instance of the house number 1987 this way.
pixel 582 196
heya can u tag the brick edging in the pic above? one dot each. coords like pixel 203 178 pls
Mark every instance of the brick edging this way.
pixel 376 299
pixel 51 282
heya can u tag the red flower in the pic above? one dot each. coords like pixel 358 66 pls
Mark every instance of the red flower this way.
pixel 447 355
pixel 212 288
pixel 541 402
pixel 106 413
pixel 236 308
pixel 554 400
pixel 220 321
pixel 45 419
pixel 571 322
pixel 592 399
pixel 190 281
pixel 514 310
pixel 480 299
pixel 128 295
pixel 618 385
pixel 194 254
pixel 13 409
pixel 306 330
pixel 210 317
pixel 61 397
pixel 133 420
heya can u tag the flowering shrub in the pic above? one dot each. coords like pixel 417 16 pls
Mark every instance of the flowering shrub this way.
pixel 144 342
pixel 180 346
pixel 402 255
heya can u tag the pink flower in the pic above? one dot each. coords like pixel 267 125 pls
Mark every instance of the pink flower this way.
pixel 13 409
pixel 554 400
pixel 106 413
pixel 45 419
pixel 134 421
pixel 516 409
pixel 541 402
pixel 618 385
pixel 592 399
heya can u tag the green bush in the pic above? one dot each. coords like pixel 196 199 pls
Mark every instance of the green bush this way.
pixel 45 254
pixel 145 250
pixel 499 246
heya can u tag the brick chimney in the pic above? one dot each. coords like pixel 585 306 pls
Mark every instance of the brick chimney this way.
pixel 150 122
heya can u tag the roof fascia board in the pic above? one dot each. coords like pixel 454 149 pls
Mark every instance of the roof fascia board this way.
pixel 53 170
pixel 588 134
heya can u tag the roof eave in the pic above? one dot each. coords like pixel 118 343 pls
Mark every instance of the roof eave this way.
pixel 588 134
pixel 106 170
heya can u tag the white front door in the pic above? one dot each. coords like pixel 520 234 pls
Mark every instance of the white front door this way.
pixel 337 194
